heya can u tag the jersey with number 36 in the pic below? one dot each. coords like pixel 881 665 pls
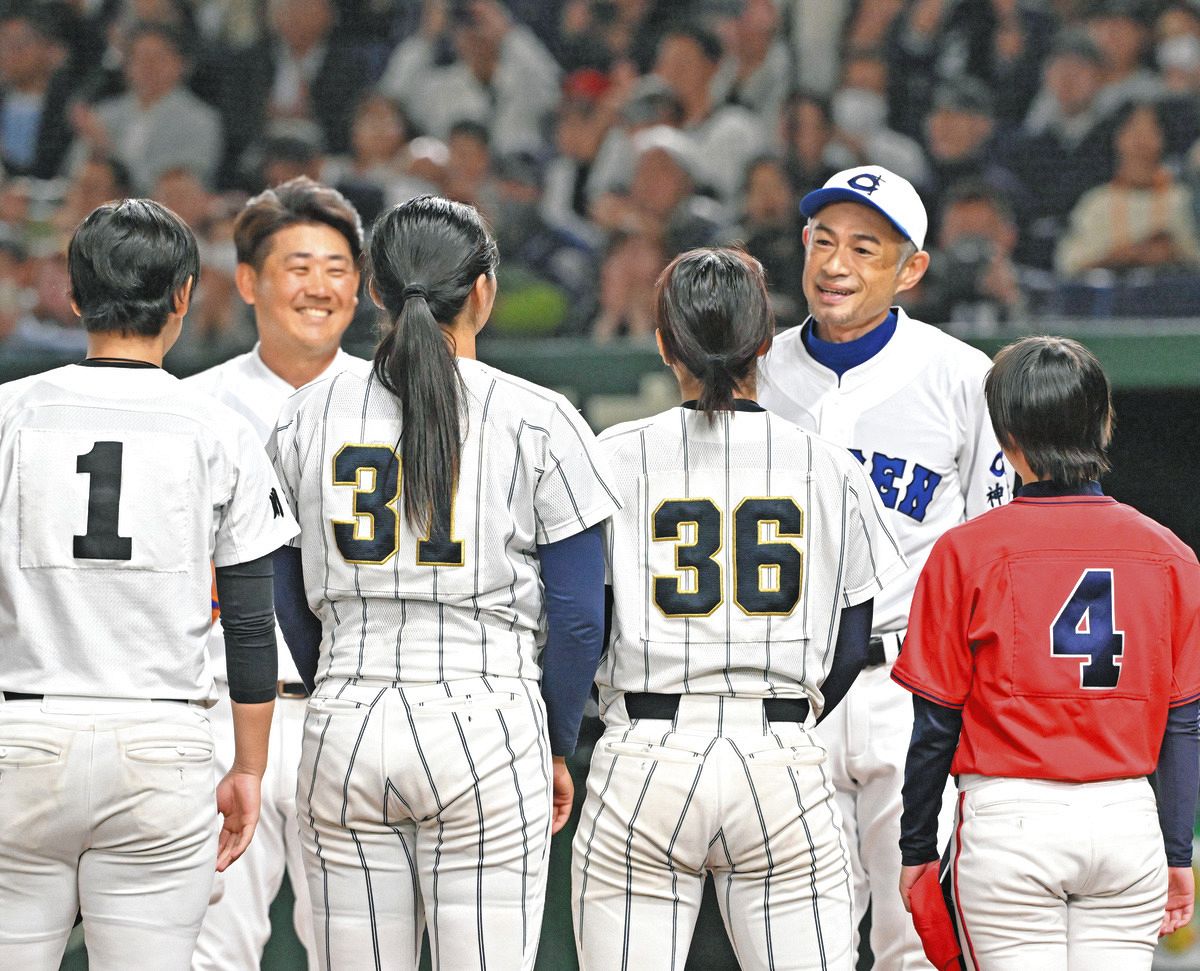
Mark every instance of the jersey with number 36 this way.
pixel 737 547
pixel 1064 627
pixel 119 487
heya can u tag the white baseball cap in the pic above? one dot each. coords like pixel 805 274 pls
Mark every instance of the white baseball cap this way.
pixel 884 191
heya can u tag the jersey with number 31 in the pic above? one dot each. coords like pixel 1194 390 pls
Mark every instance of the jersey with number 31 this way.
pixel 1064 627
pixel 737 546
pixel 119 487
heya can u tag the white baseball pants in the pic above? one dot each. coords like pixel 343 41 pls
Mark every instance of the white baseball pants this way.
pixel 426 804
pixel 238 923
pixel 867 736
pixel 718 789
pixel 1056 876
pixel 108 808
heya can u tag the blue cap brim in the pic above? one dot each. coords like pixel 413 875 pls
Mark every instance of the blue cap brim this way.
pixel 818 199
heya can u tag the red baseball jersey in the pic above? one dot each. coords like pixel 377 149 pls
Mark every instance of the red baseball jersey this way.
pixel 1064 628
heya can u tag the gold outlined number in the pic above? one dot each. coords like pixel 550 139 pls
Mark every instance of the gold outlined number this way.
pixel 373 535
pixel 768 568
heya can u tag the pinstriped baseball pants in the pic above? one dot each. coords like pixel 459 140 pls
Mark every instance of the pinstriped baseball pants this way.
pixel 721 790
pixel 426 804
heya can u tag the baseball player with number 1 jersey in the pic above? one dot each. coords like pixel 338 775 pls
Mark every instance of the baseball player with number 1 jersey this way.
pixel 907 400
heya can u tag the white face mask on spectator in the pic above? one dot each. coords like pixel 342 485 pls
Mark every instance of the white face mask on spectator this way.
pixel 858 111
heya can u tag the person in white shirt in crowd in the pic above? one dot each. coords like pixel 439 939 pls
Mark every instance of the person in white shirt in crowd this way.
pixel 503 77
pixel 756 71
pixel 299 249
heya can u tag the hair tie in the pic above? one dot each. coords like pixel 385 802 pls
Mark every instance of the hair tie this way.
pixel 414 290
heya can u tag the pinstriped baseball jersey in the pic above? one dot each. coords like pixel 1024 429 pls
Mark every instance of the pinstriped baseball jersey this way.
pixel 737 546
pixel 915 417
pixel 119 487
pixel 465 600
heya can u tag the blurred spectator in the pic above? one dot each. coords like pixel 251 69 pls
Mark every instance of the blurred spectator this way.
pixel 217 322
pixel 756 71
pixel 601 33
pixel 158 124
pixel 46 322
pixel 627 277
pixel 860 112
pixel 287 157
pixel 816 41
pixel 770 231
pixel 1142 218
pixel 959 135
pixel 468 173
pixel 972 284
pixel 726 136
pixel 303 71
pixel 502 77
pixel 584 119
pixel 1121 30
pixel 35 86
pixel 379 157
pixel 662 203
pixel 95 181
pixel 639 104
pixel 1179 59
pixel 1059 156
pixel 813 152
pixel 872 24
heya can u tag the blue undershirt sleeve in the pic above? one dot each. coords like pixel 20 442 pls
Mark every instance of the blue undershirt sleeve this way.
pixel 301 628
pixel 930 753
pixel 849 656
pixel 573 577
pixel 1176 781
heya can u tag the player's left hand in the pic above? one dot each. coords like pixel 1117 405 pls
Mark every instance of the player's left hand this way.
pixel 564 795
pixel 1181 895
pixel 909 875
pixel 239 796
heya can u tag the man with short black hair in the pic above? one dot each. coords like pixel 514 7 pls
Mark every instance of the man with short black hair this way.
pixel 123 489
pixel 299 250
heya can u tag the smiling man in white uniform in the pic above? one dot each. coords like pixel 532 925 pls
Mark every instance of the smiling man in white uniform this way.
pixel 299 247
pixel 907 400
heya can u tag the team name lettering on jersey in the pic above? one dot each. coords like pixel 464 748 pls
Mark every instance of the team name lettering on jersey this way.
pixel 887 473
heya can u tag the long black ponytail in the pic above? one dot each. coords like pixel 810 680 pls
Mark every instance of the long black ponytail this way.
pixel 425 256
pixel 714 316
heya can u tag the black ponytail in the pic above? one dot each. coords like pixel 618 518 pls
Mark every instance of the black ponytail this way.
pixel 425 257
pixel 714 316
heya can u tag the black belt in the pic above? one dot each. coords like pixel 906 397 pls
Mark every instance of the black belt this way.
pixel 875 652
pixel 25 696
pixel 640 704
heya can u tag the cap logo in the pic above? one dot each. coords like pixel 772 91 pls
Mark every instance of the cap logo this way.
pixel 865 182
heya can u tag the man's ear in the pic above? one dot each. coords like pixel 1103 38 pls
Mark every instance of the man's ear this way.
pixel 246 278
pixel 183 297
pixel 911 272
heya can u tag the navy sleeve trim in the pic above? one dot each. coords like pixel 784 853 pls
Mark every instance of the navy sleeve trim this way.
pixel 849 655
pixel 927 695
pixel 301 628
pixel 1176 781
pixel 935 735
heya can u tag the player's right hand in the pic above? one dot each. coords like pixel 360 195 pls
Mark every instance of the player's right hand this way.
pixel 239 796
pixel 1181 895
pixel 564 795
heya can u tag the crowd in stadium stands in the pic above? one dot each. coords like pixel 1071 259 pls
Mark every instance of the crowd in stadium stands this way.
pixel 1056 142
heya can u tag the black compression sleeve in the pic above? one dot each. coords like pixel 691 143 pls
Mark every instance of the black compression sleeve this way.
pixel 248 617
pixel 300 626
pixel 1176 781
pixel 849 656
pixel 930 752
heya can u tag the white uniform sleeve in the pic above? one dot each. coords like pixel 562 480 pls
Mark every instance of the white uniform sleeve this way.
pixel 284 455
pixel 987 481
pixel 873 555
pixel 255 519
pixel 576 488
